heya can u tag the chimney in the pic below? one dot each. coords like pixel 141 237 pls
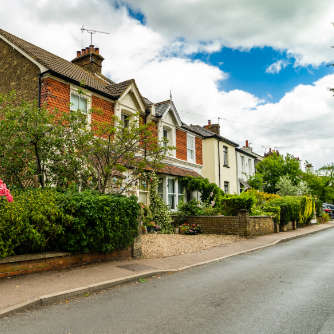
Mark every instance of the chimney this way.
pixel 213 127
pixel 246 143
pixel 89 59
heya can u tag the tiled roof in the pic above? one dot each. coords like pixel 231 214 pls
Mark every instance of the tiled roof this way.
pixel 177 171
pixel 209 134
pixel 162 107
pixel 67 69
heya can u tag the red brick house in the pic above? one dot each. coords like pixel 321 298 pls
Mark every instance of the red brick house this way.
pixel 36 74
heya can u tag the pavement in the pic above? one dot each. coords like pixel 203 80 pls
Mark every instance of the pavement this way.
pixel 22 292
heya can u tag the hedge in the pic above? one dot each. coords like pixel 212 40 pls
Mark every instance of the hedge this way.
pixel 46 220
pixel 232 204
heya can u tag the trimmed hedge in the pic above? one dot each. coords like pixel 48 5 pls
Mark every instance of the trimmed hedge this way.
pixel 233 204
pixel 46 220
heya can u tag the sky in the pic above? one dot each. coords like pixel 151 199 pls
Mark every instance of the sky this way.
pixel 259 68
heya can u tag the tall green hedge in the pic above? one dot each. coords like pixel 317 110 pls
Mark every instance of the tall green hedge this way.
pixel 47 220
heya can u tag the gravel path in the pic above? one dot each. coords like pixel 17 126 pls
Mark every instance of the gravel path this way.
pixel 163 245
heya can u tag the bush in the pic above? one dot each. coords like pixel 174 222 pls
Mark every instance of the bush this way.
pixel 233 204
pixel 46 220
pixel 196 208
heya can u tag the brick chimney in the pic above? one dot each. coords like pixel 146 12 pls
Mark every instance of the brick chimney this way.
pixel 213 127
pixel 89 59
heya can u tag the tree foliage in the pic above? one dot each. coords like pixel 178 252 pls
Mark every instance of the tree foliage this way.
pixel 271 168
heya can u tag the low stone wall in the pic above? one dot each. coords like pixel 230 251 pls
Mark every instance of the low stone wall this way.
pixel 242 224
pixel 25 264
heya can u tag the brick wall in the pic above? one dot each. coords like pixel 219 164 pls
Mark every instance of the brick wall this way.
pixel 181 144
pixel 242 225
pixel 199 156
pixel 55 95
pixel 17 73
pixel 105 110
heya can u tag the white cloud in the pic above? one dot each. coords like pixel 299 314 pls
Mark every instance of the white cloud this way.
pixel 277 66
pixel 302 27
pixel 301 123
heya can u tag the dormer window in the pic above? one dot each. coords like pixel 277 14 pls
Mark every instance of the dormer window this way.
pixel 165 136
pixel 190 148
pixel 125 118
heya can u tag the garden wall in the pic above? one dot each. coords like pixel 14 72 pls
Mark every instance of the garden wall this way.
pixel 242 224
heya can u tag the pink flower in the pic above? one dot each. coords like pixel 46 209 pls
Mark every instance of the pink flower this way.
pixel 5 192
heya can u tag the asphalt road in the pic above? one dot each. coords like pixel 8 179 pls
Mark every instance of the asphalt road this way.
pixel 288 288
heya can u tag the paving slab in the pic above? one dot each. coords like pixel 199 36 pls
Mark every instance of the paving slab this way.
pixel 17 293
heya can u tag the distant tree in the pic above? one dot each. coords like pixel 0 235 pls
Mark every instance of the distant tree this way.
pixel 321 183
pixel 287 188
pixel 271 168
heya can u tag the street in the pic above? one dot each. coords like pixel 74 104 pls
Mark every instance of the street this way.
pixel 287 288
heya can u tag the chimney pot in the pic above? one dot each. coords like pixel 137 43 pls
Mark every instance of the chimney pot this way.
pixel 246 143
pixel 78 54
pixel 97 51
pixel 209 122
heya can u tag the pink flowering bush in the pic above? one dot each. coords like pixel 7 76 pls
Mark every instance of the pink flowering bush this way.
pixel 5 192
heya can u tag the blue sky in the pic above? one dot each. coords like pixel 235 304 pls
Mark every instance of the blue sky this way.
pixel 246 69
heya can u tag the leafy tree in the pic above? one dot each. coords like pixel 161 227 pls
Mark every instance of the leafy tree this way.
pixel 41 147
pixel 121 154
pixel 321 183
pixel 287 188
pixel 271 168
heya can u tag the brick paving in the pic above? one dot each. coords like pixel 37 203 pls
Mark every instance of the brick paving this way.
pixel 24 289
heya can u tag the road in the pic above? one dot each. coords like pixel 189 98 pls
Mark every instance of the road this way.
pixel 288 288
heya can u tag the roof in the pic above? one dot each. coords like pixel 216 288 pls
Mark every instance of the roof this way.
pixel 249 153
pixel 67 69
pixel 162 107
pixel 177 171
pixel 209 134
pixel 191 128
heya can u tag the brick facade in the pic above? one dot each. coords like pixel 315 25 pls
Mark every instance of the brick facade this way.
pixel 18 73
pixel 199 156
pixel 105 109
pixel 55 95
pixel 181 144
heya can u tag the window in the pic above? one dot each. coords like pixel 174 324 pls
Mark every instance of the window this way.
pixel 166 136
pixel 242 163
pixel 125 120
pixel 143 191
pixel 78 102
pixel 182 191
pixel 225 150
pixel 249 167
pixel 226 187
pixel 171 194
pixel 190 148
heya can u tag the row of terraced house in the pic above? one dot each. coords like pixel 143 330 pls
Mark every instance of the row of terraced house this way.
pixel 36 74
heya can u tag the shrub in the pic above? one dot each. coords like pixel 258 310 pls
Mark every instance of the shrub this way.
pixel 232 204
pixel 190 229
pixel 46 220
pixel 98 223
pixel 196 208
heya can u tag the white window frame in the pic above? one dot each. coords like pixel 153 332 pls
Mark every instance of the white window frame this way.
pixel 86 95
pixel 174 194
pixel 228 187
pixel 225 156
pixel 191 138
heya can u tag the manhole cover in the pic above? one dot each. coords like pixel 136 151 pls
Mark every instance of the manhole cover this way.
pixel 136 267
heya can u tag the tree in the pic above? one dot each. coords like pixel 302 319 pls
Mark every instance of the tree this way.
pixel 41 147
pixel 321 183
pixel 121 154
pixel 287 188
pixel 271 168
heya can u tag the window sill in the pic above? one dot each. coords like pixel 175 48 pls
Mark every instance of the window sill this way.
pixel 227 166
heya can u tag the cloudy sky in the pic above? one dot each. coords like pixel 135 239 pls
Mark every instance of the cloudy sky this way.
pixel 259 67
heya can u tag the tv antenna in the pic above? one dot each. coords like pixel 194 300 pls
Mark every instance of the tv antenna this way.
pixel 93 32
